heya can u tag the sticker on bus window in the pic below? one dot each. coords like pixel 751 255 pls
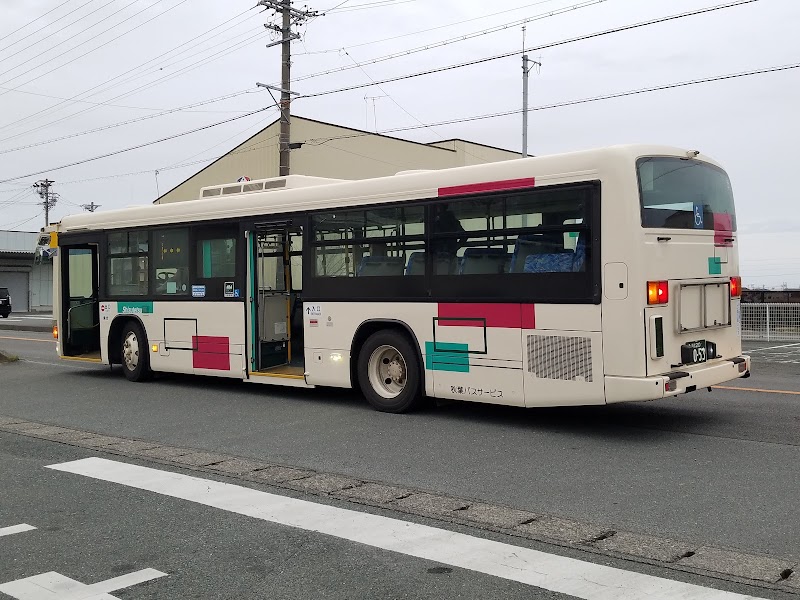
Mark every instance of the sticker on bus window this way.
pixel 198 291
pixel 229 291
pixel 698 216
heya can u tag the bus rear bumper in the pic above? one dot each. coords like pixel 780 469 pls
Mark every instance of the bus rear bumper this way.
pixel 681 381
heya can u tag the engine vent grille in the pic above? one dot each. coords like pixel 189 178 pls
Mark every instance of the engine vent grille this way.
pixel 560 357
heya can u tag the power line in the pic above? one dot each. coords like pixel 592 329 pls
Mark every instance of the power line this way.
pixel 71 37
pixel 144 86
pixel 419 31
pixel 136 147
pixel 566 103
pixel 128 122
pixel 447 42
pixel 533 49
pixel 39 40
pixel 124 33
pixel 21 223
pixel 8 35
pixel 73 98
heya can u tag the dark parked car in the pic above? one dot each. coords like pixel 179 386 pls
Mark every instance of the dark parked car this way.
pixel 5 303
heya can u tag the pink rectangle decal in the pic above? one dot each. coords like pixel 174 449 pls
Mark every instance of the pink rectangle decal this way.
pixel 211 352
pixel 487 186
pixel 466 314
pixel 723 229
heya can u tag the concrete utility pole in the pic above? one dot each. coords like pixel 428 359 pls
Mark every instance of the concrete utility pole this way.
pixel 291 17
pixel 48 198
pixel 527 65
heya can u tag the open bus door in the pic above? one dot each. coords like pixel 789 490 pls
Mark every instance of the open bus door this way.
pixel 277 348
pixel 80 315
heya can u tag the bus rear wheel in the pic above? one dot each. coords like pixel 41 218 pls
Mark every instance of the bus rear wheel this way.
pixel 134 355
pixel 389 372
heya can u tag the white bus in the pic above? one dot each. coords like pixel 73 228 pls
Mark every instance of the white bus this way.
pixel 586 278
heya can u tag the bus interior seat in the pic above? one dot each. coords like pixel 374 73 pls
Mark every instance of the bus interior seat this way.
pixel 416 264
pixel 548 263
pixel 483 261
pixel 558 262
pixel 372 266
pixel 537 243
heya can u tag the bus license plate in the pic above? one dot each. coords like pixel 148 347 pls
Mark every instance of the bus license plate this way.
pixel 693 352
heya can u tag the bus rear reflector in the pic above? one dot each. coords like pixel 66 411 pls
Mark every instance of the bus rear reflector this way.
pixel 657 292
pixel 55 332
pixel 736 287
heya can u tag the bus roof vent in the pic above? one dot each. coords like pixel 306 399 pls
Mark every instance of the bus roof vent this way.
pixel 413 171
pixel 247 186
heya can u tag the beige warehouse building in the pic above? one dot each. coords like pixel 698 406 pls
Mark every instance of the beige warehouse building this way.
pixel 327 150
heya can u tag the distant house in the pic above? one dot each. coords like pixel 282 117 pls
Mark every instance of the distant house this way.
pixel 25 272
pixel 770 296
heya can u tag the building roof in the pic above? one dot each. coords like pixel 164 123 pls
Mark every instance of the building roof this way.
pixel 18 242
pixel 437 146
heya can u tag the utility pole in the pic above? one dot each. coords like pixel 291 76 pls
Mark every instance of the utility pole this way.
pixel 91 207
pixel 291 17
pixel 48 198
pixel 527 65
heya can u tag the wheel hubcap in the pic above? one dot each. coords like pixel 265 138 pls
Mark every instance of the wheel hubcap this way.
pixel 130 351
pixel 387 371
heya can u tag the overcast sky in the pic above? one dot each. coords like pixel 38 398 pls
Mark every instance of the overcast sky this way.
pixel 749 124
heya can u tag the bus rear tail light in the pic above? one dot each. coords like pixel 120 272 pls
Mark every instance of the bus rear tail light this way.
pixel 670 386
pixel 736 287
pixel 55 332
pixel 657 292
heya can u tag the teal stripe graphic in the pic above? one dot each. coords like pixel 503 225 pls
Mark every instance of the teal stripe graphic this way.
pixel 447 357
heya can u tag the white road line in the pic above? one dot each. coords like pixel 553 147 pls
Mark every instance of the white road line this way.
pixel 16 529
pixel 55 586
pixel 57 364
pixel 532 567
pixel 772 348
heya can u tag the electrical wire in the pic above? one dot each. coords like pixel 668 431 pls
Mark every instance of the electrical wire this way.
pixel 454 40
pixel 71 37
pixel 533 49
pixel 124 33
pixel 39 40
pixel 566 103
pixel 136 147
pixel 129 121
pixel 106 82
pixel 144 86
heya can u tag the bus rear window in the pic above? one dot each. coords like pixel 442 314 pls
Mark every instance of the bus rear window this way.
pixel 684 194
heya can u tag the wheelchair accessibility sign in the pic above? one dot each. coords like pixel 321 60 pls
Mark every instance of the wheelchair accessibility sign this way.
pixel 698 216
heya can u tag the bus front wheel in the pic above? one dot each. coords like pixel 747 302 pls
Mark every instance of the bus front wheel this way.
pixel 135 358
pixel 389 372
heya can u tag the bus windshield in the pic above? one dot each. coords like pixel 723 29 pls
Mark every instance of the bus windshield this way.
pixel 684 194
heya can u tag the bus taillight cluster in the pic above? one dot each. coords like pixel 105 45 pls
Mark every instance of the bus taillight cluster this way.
pixel 657 292
pixel 736 287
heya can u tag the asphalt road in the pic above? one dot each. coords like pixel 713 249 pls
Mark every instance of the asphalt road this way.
pixel 719 468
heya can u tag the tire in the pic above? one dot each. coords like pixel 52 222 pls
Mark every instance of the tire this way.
pixel 5 316
pixel 134 353
pixel 389 372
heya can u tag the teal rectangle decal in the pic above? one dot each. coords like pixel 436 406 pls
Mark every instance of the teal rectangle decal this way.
pixel 447 357
pixel 714 265
pixel 135 308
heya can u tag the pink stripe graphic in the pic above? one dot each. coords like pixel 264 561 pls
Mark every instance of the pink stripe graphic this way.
pixel 488 186
pixel 510 316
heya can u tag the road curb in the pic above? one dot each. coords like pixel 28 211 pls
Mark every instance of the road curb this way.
pixel 24 327
pixel 770 572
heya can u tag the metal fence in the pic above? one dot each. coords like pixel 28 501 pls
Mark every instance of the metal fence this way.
pixel 771 322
